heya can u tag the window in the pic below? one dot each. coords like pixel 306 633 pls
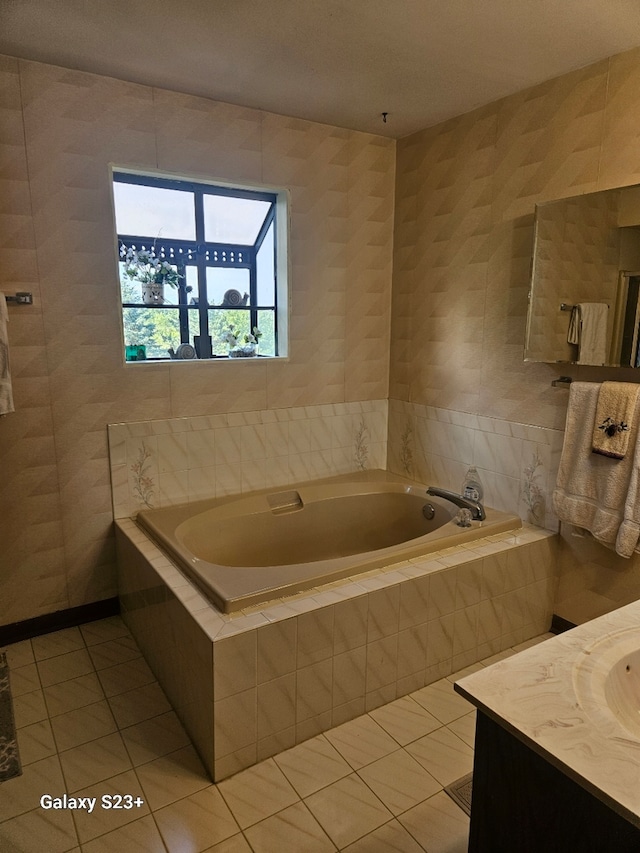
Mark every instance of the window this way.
pixel 202 268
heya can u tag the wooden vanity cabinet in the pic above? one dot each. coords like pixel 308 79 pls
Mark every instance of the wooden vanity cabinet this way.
pixel 523 804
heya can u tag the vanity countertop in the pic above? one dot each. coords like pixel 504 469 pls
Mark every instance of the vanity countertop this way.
pixel 537 696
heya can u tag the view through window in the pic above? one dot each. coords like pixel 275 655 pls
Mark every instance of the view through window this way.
pixel 198 269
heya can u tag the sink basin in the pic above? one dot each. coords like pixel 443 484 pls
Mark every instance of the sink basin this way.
pixel 606 681
pixel 622 691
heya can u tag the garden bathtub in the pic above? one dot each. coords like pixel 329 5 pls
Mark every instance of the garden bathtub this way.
pixel 247 549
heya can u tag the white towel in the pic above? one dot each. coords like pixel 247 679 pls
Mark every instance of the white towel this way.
pixel 629 533
pixel 6 392
pixel 573 335
pixel 588 329
pixel 595 492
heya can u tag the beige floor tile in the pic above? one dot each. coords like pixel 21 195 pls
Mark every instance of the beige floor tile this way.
pixel 294 828
pixel 22 793
pixel 347 810
pixel 353 811
pixel 154 738
pixel 114 652
pixel 103 820
pixel 82 725
pixel 19 654
pixel 257 793
pixel 390 838
pixel 438 825
pixel 444 755
pixel 405 720
pixel 125 676
pixel 75 693
pixel 57 643
pixel 237 844
pixel 442 701
pixel 172 777
pixel 139 704
pixel 63 667
pixel 399 781
pixel 29 708
pixel 24 679
pixel 361 741
pixel 312 765
pixel 194 823
pixel 37 831
pixel 139 836
pixel 35 742
pixel 104 630
pixel 465 728
pixel 94 761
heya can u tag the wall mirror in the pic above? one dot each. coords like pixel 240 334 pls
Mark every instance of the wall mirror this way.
pixel 584 301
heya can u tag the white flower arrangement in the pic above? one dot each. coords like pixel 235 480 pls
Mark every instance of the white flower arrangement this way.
pixel 145 266
pixel 240 344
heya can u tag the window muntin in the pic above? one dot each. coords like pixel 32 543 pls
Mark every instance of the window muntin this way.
pixel 197 312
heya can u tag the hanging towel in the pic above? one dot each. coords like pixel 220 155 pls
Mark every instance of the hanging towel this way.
pixel 629 532
pixel 614 416
pixel 573 335
pixel 6 392
pixel 592 490
pixel 588 329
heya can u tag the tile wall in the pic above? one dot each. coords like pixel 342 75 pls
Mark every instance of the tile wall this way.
pixel 466 191
pixel 60 129
pixel 250 685
pixel 517 463
pixel 178 460
pixel 457 225
pixel 592 579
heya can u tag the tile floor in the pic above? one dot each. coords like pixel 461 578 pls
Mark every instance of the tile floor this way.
pixel 93 721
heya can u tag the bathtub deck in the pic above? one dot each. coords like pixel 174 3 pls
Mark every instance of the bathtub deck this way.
pixel 244 551
pixel 251 685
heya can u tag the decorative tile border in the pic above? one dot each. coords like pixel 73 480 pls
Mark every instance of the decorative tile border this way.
pixel 178 460
pixel 163 462
pixel 518 463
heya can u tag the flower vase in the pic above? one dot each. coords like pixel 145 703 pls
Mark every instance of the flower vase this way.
pixel 246 351
pixel 152 293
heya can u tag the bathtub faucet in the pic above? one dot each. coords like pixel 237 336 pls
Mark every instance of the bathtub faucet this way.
pixel 477 510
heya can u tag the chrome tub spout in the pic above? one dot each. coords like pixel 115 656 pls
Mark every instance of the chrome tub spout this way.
pixel 476 508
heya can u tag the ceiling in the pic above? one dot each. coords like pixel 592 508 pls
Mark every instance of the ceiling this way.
pixel 342 62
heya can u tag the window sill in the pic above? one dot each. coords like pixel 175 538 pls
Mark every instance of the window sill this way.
pixel 222 359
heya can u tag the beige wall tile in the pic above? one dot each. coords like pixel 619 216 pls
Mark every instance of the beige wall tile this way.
pixel 565 137
pixel 207 138
pixel 58 241
pixel 619 166
pixel 462 230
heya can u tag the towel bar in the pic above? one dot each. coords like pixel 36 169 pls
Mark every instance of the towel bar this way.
pixel 562 382
pixel 564 306
pixel 20 298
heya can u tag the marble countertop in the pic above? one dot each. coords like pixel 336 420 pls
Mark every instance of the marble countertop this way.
pixel 549 697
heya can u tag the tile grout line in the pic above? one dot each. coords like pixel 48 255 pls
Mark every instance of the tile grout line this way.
pixel 353 771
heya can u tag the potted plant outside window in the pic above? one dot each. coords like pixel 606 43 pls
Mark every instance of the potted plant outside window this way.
pixel 242 346
pixel 152 272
